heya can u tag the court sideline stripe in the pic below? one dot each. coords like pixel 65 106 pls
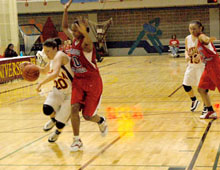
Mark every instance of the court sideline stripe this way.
pixel 216 159
pixel 196 154
pixel 175 91
pixel 24 99
pixel 11 153
pixel 102 151
pixel 111 64
pixel 17 88
pixel 19 129
pixel 68 165
pixel 109 132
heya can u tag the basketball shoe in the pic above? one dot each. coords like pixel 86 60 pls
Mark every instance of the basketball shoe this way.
pixel 194 105
pixel 76 145
pixel 103 127
pixel 205 110
pixel 54 136
pixel 49 125
pixel 209 115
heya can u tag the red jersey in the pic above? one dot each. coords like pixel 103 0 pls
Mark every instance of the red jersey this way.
pixel 87 82
pixel 207 54
pixel 80 65
pixel 210 78
pixel 174 42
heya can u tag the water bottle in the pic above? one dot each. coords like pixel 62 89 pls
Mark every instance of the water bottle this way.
pixel 21 53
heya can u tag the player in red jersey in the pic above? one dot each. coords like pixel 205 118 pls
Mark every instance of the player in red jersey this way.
pixel 87 89
pixel 210 78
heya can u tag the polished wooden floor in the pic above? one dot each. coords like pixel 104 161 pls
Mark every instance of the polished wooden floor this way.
pixel 147 129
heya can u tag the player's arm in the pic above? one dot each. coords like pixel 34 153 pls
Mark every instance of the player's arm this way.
pixel 87 44
pixel 44 70
pixel 65 27
pixel 57 63
pixel 187 57
pixel 204 39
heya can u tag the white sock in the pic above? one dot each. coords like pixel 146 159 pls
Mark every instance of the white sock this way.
pixel 76 137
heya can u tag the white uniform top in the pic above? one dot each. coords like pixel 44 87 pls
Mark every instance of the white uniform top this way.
pixel 193 71
pixel 63 82
pixel 193 44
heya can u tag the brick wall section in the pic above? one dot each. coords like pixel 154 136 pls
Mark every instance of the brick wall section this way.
pixel 127 24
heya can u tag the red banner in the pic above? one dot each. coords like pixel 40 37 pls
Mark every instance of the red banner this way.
pixel 9 68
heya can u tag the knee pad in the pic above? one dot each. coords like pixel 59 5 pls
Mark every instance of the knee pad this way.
pixel 60 125
pixel 187 88
pixel 47 109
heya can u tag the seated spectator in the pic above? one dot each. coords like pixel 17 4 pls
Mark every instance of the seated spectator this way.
pixel 9 52
pixel 174 46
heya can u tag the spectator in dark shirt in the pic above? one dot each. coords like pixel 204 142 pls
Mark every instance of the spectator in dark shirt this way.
pixel 9 52
pixel 174 46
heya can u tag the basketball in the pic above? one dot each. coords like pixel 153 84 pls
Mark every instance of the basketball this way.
pixel 31 72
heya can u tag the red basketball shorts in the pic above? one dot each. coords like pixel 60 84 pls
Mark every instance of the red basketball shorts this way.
pixel 88 93
pixel 210 78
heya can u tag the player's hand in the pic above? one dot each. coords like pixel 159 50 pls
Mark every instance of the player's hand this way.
pixel 188 59
pixel 67 5
pixel 196 58
pixel 38 88
pixel 211 39
pixel 22 65
pixel 192 51
pixel 82 27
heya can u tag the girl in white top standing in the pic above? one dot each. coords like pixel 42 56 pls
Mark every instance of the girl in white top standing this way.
pixel 194 68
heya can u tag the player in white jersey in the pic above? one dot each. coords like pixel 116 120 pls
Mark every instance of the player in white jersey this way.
pixel 194 70
pixel 58 102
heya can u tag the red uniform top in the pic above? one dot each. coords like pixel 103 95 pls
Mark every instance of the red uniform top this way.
pixel 174 42
pixel 87 82
pixel 80 65
pixel 210 78
pixel 208 56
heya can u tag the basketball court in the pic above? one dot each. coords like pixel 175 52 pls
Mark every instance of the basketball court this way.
pixel 148 112
pixel 147 129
